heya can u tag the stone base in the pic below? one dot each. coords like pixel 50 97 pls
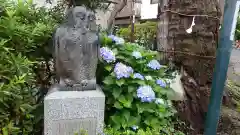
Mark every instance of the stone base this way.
pixel 69 112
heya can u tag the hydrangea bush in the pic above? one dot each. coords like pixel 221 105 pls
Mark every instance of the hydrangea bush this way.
pixel 135 86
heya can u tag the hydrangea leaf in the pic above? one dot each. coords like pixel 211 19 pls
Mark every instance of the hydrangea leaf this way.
pixel 108 68
pixel 118 105
pixel 108 80
pixel 116 93
pixel 120 82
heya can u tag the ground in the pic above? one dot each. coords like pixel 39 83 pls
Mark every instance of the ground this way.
pixel 234 66
pixel 230 117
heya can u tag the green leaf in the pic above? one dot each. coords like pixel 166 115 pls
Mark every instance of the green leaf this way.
pixel 122 99
pixel 140 82
pixel 134 120
pixel 115 51
pixel 120 82
pixel 131 89
pixel 119 121
pixel 116 119
pixel 116 93
pixel 108 80
pixel 108 68
pixel 146 107
pixel 120 57
pixel 126 114
pixel 116 126
pixel 5 131
pixel 118 105
pixel 154 122
pixel 142 61
pixel 127 102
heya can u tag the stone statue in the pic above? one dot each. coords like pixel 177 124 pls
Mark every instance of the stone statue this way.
pixel 76 50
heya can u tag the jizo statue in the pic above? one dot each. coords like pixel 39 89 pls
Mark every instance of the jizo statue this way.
pixel 76 50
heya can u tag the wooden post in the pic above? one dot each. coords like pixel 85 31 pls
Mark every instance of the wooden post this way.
pixel 132 20
pixel 162 32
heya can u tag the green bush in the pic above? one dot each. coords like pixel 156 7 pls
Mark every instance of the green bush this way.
pixel 25 32
pixel 148 131
pixel 237 31
pixel 136 87
pixel 144 34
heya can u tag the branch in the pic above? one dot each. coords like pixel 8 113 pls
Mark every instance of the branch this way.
pixel 118 8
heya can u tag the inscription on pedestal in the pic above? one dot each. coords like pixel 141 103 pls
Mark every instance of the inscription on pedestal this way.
pixel 69 127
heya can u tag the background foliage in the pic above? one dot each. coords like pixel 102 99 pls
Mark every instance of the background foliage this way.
pixel 91 4
pixel 237 31
pixel 144 34
pixel 25 70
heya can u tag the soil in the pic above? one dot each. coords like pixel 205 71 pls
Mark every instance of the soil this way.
pixel 229 123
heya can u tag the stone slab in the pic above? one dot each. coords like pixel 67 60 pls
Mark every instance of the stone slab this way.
pixel 68 112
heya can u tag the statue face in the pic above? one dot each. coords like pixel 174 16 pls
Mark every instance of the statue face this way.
pixel 92 22
pixel 79 16
pixel 85 18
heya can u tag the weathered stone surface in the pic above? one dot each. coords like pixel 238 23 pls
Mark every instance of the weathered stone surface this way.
pixel 67 112
pixel 76 49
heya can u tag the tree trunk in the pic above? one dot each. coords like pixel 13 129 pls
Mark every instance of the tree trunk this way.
pixel 194 51
pixel 118 8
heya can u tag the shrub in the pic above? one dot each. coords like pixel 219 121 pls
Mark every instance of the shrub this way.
pixel 24 35
pixel 237 31
pixel 144 34
pixel 136 87
pixel 111 131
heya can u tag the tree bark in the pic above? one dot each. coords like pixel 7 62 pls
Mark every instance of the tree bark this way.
pixel 118 8
pixel 195 51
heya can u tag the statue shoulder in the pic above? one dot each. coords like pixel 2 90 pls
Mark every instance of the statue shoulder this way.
pixel 59 31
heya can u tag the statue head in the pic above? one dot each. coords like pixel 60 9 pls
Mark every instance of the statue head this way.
pixel 79 16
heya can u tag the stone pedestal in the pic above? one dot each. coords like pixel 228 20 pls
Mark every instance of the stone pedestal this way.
pixel 69 112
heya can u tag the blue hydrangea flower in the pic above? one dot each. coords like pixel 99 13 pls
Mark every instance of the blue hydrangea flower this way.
pixel 146 93
pixel 116 39
pixel 107 54
pixel 134 128
pixel 154 64
pixel 161 83
pixel 159 101
pixel 119 41
pixel 122 71
pixel 137 55
pixel 111 36
pixel 138 76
